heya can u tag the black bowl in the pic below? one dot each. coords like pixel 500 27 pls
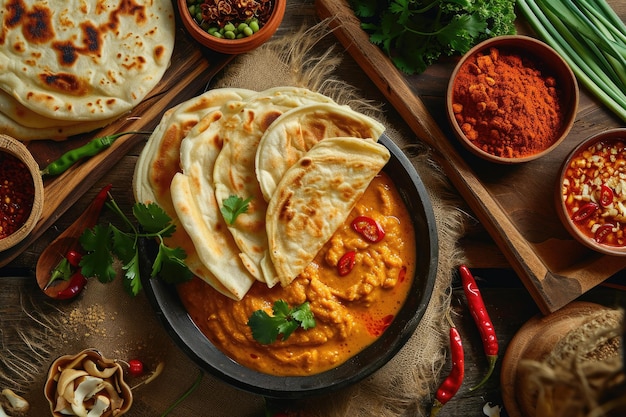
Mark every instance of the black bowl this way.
pixel 195 344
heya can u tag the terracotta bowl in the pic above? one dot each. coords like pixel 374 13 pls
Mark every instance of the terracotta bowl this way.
pixel 534 53
pixel 73 369
pixel 232 46
pixel 581 203
pixel 189 338
pixel 12 148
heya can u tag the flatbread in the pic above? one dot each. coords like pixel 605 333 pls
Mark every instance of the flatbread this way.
pixel 241 130
pixel 159 162
pixel 296 131
pixel 194 200
pixel 315 197
pixel 84 60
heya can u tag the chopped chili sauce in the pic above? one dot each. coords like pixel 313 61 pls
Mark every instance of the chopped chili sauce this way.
pixel 17 191
pixel 594 191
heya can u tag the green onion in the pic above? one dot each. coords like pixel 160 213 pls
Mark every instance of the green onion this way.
pixel 591 38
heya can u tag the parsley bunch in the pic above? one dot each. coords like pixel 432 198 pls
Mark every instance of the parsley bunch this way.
pixel 266 328
pixel 416 33
pixel 103 243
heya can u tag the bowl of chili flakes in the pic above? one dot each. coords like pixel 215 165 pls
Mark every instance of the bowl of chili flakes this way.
pixel 511 99
pixel 591 192
pixel 253 23
pixel 21 192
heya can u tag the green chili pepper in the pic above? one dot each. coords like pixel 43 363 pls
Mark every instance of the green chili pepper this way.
pixel 90 148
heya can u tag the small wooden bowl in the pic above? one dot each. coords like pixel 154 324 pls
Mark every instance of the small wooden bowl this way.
pixel 550 63
pixel 17 149
pixel 232 46
pixel 581 229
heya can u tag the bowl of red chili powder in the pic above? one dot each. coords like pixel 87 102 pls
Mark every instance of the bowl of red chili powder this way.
pixel 512 99
pixel 21 192
pixel 591 192
pixel 234 28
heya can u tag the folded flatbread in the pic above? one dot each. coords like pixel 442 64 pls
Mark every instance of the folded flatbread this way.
pixel 159 162
pixel 241 129
pixel 314 198
pixel 296 131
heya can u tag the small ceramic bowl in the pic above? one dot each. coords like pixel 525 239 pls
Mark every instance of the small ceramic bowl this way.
pixel 21 192
pixel 87 371
pixel 484 105
pixel 591 192
pixel 233 46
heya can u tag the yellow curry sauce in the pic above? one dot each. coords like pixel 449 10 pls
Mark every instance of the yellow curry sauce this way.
pixel 350 311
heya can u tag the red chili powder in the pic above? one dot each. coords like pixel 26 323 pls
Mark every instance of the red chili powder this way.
pixel 17 191
pixel 505 105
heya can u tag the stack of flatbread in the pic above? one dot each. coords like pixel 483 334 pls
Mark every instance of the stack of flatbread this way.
pixel 302 159
pixel 73 66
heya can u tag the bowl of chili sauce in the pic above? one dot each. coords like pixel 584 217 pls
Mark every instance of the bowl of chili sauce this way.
pixel 591 192
pixel 21 192
pixel 511 99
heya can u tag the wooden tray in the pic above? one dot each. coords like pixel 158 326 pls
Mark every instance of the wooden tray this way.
pixel 190 71
pixel 513 203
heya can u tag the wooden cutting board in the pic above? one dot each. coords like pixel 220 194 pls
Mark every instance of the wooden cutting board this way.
pixel 513 203
pixel 191 69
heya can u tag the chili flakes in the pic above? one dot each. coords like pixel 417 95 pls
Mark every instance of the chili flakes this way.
pixel 17 191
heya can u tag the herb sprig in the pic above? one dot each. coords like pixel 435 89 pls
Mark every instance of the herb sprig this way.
pixel 233 206
pixel 103 243
pixel 416 34
pixel 266 328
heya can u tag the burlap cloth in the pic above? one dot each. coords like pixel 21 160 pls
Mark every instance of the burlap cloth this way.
pixel 121 327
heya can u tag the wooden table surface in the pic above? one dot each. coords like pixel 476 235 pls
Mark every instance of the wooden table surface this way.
pixel 507 299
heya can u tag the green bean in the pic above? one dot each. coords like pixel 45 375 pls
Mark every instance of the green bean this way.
pixel 91 148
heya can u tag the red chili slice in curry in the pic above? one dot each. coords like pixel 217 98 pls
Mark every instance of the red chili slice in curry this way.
pixel 346 263
pixel 585 211
pixel 602 232
pixel 606 196
pixel 369 228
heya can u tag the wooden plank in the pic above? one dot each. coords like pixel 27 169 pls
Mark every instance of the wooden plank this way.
pixel 548 272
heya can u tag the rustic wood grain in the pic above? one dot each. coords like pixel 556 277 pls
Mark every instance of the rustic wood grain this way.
pixel 515 204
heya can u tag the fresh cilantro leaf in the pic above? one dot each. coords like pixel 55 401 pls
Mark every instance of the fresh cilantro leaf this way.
pixel 233 206
pixel 266 329
pixel 62 271
pixel 153 219
pixel 102 243
pixel 132 276
pixel 97 260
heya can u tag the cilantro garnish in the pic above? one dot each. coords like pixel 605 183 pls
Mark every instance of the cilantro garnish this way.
pixel 266 328
pixel 104 243
pixel 233 206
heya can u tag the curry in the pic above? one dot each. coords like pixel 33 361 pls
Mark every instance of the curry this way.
pixel 352 308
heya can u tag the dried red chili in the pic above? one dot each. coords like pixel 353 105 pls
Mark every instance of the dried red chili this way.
pixel 606 195
pixel 346 263
pixel 369 228
pixel 602 232
pixel 454 380
pixel 17 193
pixel 481 318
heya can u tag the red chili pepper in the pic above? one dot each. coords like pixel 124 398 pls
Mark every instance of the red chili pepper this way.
pixel 481 318
pixel 585 211
pixel 74 257
pixel 602 232
pixel 346 263
pixel 77 283
pixel 606 196
pixel 135 367
pixel 454 380
pixel 369 228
